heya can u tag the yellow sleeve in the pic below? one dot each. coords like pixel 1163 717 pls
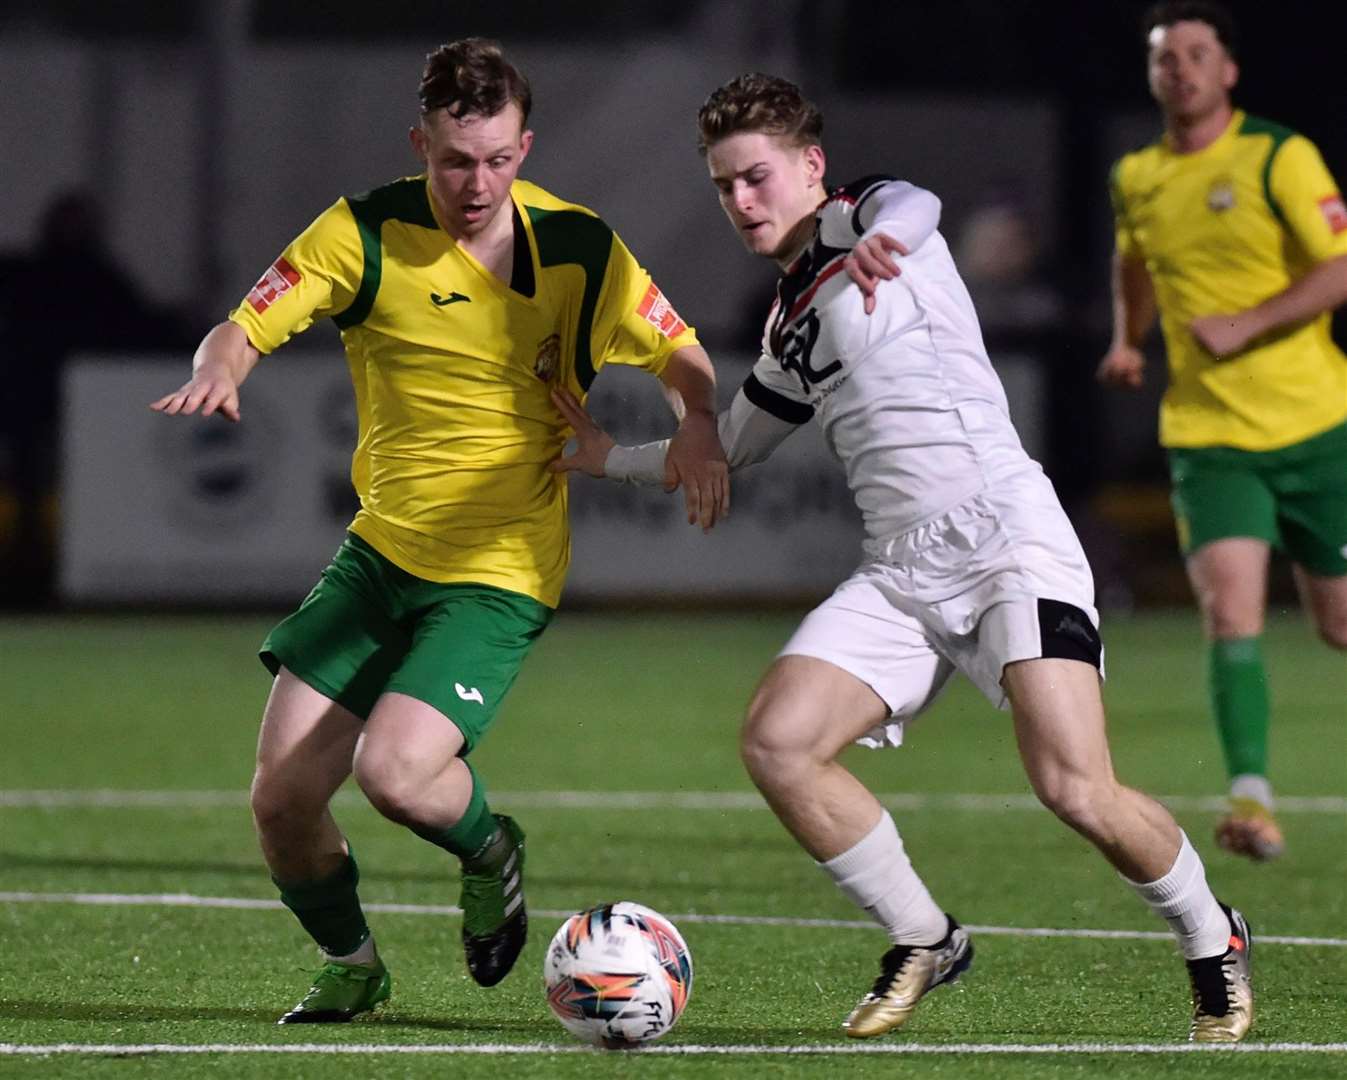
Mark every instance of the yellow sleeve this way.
pixel 317 275
pixel 635 322
pixel 1123 237
pixel 1306 195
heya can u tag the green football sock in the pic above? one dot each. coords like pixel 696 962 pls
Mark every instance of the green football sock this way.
pixel 329 909
pixel 1239 699
pixel 473 834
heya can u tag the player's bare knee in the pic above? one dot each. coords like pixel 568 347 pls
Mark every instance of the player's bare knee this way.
pixel 391 790
pixel 1226 622
pixel 772 751
pixel 1079 801
pixel 766 758
pixel 278 804
pixel 1333 631
pixel 395 796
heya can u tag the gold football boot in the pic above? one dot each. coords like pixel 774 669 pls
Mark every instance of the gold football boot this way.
pixel 908 973
pixel 1250 829
pixel 1222 992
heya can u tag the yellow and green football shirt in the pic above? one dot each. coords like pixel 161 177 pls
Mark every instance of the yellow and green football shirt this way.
pixel 452 369
pixel 1221 230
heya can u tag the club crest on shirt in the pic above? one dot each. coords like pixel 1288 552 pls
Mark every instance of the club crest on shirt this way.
pixel 279 279
pixel 659 313
pixel 1334 211
pixel 548 360
pixel 1221 196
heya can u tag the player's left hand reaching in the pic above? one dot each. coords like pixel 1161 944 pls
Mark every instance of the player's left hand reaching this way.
pixel 699 469
pixel 592 443
pixel 870 262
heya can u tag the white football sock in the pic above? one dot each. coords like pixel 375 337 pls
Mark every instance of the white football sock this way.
pixel 1252 786
pixel 366 954
pixel 877 875
pixel 1184 900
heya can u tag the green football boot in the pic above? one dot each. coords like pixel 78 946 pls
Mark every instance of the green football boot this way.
pixel 495 924
pixel 341 992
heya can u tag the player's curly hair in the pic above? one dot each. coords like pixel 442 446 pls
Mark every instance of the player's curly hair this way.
pixel 472 77
pixel 1204 11
pixel 758 102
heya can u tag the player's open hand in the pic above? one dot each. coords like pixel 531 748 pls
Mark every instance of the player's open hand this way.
pixel 592 443
pixel 696 463
pixel 1124 365
pixel 208 391
pixel 870 262
pixel 1222 335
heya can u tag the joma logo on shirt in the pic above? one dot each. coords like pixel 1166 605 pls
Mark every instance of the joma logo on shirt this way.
pixel 279 279
pixel 452 298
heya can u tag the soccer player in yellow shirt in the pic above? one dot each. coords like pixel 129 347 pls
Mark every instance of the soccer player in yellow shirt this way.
pixel 464 297
pixel 1232 229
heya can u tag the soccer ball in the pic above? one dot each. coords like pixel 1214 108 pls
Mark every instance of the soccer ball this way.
pixel 617 974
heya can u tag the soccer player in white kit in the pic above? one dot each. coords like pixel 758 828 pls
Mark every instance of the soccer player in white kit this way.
pixel 970 562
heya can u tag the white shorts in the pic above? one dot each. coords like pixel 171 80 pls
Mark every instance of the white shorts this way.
pixel 1000 578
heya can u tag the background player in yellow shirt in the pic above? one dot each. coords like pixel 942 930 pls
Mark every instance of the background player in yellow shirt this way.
pixel 1233 230
pixel 464 297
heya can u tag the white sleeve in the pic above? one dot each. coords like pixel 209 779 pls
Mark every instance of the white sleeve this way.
pixel 904 211
pixel 748 433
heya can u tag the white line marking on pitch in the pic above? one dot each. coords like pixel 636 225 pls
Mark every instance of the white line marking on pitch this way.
pixel 630 800
pixel 261 904
pixel 674 1049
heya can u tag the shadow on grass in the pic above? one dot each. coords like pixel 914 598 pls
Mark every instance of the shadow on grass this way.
pixel 167 866
pixel 158 1014
pixel 69 1010
pixel 636 883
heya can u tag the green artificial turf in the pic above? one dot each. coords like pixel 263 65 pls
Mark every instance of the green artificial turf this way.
pixel 636 716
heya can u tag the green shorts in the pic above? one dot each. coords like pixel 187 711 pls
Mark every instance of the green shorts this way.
pixel 369 627
pixel 1295 498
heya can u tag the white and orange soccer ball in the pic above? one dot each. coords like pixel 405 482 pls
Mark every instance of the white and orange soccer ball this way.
pixel 618 974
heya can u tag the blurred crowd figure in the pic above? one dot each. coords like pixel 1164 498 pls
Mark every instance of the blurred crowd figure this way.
pixel 1002 261
pixel 67 295
pixel 1027 321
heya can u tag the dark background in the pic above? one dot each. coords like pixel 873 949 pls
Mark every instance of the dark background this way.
pixel 1083 63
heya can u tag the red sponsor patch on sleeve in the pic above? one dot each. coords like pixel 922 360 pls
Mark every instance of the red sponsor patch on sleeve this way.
pixel 1334 211
pixel 279 279
pixel 659 313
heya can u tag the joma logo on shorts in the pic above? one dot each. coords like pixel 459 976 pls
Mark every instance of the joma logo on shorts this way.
pixel 469 693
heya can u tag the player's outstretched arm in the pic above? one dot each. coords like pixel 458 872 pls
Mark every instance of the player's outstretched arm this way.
pixel 1134 312
pixel 696 461
pixel 895 220
pixel 222 362
pixel 1324 288
pixel 748 433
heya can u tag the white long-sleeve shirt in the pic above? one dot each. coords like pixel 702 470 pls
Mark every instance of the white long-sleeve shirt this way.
pixel 906 396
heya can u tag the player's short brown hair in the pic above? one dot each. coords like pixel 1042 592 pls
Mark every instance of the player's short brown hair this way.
pixel 763 103
pixel 1203 11
pixel 472 77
